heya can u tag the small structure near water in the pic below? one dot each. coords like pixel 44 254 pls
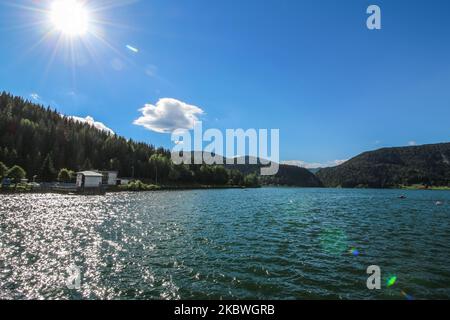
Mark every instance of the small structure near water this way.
pixel 89 182
pixel 89 179
pixel 109 178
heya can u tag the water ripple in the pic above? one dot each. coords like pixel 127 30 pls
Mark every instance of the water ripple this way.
pixel 217 244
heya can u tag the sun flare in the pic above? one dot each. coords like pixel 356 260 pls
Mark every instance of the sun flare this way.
pixel 69 17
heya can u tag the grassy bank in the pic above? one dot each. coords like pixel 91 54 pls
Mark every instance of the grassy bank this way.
pixel 134 186
pixel 19 188
pixel 422 187
pixel 140 186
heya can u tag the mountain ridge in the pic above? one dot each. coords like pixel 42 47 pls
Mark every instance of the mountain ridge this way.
pixel 427 165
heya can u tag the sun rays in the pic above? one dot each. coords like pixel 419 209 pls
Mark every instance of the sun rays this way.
pixel 73 30
pixel 70 17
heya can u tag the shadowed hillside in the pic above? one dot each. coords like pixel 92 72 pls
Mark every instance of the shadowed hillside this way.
pixel 287 175
pixel 390 167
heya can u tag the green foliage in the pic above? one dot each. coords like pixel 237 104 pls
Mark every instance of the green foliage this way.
pixel 87 165
pixel 28 133
pixel 65 175
pixel 426 165
pixel 139 186
pixel 292 176
pixel 213 175
pixel 160 166
pixel 3 170
pixel 236 178
pixel 181 173
pixel 43 142
pixel 47 172
pixel 251 180
pixel 16 173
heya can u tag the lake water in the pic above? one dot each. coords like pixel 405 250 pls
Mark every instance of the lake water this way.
pixel 270 243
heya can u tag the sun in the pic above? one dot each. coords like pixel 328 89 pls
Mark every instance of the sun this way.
pixel 69 17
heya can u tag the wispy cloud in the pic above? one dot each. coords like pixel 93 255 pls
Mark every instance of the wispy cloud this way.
pixel 96 124
pixel 313 165
pixel 168 115
pixel 35 96
pixel 412 143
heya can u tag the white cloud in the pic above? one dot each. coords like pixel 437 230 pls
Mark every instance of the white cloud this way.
pixel 89 120
pixel 313 165
pixel 412 143
pixel 35 96
pixel 168 115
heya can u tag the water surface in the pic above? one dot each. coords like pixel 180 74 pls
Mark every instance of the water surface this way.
pixel 270 243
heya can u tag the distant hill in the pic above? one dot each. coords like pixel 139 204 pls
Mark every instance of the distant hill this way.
pixel 293 176
pixel 314 170
pixel 287 175
pixel 390 167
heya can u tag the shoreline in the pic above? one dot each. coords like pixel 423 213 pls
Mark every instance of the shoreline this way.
pixel 118 190
pixel 208 187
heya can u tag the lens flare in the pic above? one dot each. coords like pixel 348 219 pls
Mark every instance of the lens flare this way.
pixel 333 241
pixel 354 251
pixel 407 296
pixel 133 49
pixel 391 281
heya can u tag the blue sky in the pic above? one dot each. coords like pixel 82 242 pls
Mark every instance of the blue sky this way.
pixel 310 68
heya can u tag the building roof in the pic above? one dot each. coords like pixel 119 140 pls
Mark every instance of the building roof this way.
pixel 90 174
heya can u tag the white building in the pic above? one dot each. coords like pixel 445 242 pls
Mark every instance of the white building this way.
pixel 123 181
pixel 109 177
pixel 89 179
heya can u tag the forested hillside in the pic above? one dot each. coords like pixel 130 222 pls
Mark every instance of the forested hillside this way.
pixel 427 165
pixel 34 137
pixel 42 142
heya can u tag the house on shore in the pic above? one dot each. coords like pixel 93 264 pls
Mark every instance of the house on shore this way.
pixel 109 178
pixel 89 179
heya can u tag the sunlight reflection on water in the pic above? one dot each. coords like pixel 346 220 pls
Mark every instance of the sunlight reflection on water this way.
pixel 257 244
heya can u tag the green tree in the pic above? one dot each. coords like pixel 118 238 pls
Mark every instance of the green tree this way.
pixel 251 180
pixel 114 164
pixel 174 174
pixel 16 174
pixel 205 174
pixel 3 170
pixel 236 178
pixel 159 167
pixel 65 175
pixel 220 175
pixel 87 165
pixel 47 172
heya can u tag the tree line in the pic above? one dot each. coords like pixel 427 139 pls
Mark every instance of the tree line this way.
pixel 43 145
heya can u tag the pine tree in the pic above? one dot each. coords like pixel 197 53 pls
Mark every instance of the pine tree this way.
pixel 3 170
pixel 47 172
pixel 87 165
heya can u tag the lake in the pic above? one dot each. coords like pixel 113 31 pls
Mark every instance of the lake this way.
pixel 269 243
